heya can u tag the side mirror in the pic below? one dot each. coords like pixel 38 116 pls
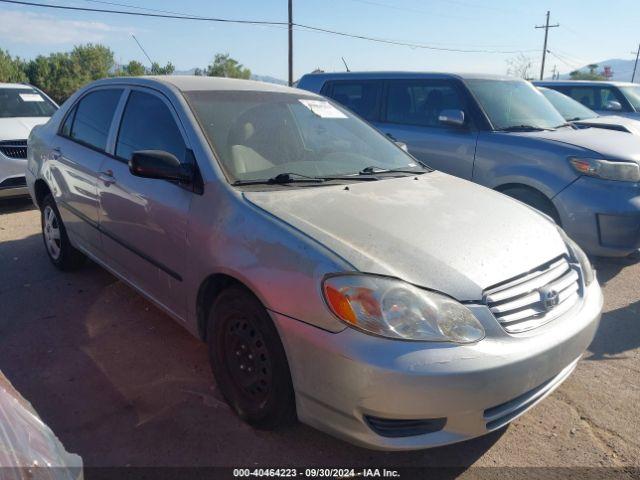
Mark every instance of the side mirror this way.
pixel 452 118
pixel 613 105
pixel 159 164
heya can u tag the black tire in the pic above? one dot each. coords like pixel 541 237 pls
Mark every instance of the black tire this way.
pixel 60 251
pixel 249 361
pixel 534 199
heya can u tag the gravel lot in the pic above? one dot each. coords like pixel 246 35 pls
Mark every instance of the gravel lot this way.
pixel 122 384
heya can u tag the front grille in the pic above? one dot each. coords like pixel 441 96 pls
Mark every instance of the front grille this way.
pixel 535 298
pixel 14 182
pixel 14 148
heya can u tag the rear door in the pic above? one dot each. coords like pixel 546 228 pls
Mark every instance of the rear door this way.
pixel 410 111
pixel 144 221
pixel 77 153
pixel 362 97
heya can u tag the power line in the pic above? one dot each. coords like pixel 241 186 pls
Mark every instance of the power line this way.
pixel 268 23
pixel 142 14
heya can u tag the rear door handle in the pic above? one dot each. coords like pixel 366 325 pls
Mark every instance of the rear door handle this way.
pixel 107 177
pixel 56 153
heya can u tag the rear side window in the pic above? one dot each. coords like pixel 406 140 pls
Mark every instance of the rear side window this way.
pixel 147 124
pixel 362 98
pixel 92 118
pixel 411 102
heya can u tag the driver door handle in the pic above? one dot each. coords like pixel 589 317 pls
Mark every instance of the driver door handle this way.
pixel 107 177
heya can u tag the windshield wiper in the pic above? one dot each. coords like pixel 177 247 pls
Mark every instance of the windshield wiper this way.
pixel 282 178
pixel 522 128
pixel 375 169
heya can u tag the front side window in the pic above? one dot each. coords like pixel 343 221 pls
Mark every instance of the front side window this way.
pixel 514 104
pixel 147 124
pixel 93 116
pixel 633 95
pixel 567 106
pixel 420 103
pixel 595 98
pixel 259 135
pixel 359 97
pixel 24 102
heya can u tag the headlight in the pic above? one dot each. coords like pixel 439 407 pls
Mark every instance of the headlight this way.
pixel 395 309
pixel 579 256
pixel 621 171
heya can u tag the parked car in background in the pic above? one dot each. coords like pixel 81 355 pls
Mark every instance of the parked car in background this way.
pixel 21 108
pixel 605 98
pixel 332 275
pixel 579 115
pixel 504 134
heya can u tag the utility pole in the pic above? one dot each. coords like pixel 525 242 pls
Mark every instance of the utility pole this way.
pixel 546 35
pixel 290 43
pixel 553 75
pixel 635 65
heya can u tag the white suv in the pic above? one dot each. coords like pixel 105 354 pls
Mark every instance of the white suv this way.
pixel 22 107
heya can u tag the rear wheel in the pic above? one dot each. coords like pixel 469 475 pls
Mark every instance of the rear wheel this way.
pixel 60 251
pixel 534 199
pixel 249 361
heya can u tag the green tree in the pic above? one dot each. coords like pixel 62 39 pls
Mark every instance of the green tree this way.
pixel 578 75
pixel 61 74
pixel 225 66
pixel 168 69
pixel 11 69
pixel 133 69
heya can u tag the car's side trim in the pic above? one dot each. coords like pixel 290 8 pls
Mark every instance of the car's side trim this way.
pixel 122 243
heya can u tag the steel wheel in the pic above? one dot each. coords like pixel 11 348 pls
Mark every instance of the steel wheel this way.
pixel 249 364
pixel 52 232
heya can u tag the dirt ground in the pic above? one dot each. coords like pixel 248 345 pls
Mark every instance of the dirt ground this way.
pixel 121 383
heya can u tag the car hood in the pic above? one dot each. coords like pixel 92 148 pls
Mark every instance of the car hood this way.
pixel 435 231
pixel 18 128
pixel 607 143
pixel 630 124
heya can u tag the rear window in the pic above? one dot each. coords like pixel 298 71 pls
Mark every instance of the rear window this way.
pixel 24 102
pixel 93 116
pixel 361 98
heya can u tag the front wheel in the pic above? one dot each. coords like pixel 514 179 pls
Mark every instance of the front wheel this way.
pixel 60 251
pixel 534 199
pixel 249 361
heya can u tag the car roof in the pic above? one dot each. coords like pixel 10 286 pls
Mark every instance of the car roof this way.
pixel 588 83
pixel 190 83
pixel 408 75
pixel 16 85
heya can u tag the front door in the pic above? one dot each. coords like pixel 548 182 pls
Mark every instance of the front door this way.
pixel 144 221
pixel 410 115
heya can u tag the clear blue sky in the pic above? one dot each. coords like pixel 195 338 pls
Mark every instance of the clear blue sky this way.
pixel 590 30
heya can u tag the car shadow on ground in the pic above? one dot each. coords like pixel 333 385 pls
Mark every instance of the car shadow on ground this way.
pixel 121 383
pixel 13 205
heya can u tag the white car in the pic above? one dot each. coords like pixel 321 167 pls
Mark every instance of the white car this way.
pixel 22 107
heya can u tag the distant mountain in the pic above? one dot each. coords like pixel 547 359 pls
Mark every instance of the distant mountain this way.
pixel 260 78
pixel 622 69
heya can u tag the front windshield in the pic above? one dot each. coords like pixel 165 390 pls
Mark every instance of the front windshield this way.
pixel 259 135
pixel 514 103
pixel 633 95
pixel 567 106
pixel 24 102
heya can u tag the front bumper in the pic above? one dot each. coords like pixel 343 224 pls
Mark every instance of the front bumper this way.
pixel 603 216
pixel 12 177
pixel 342 378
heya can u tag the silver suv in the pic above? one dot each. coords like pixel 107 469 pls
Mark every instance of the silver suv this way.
pixel 334 277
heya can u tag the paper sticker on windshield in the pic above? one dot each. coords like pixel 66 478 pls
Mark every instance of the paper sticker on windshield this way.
pixel 31 97
pixel 322 108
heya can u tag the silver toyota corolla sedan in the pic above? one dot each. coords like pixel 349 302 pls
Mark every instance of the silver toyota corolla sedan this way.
pixel 334 277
